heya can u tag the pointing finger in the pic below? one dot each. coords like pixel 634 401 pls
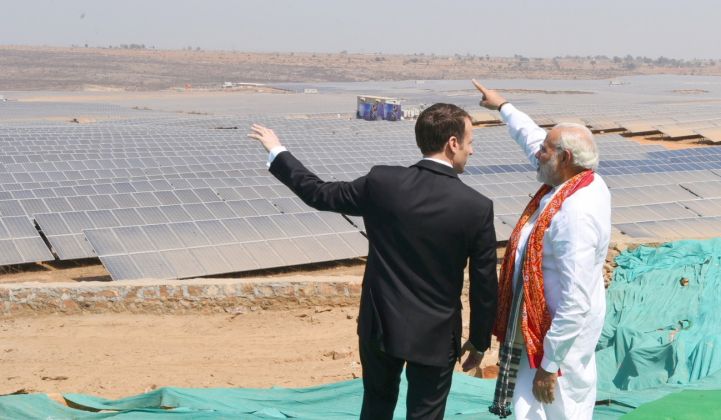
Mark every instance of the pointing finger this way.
pixel 479 86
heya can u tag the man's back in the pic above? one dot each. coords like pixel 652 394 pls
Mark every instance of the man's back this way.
pixel 423 224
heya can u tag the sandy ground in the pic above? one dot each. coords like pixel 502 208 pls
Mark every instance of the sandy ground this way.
pixel 54 272
pixel 116 355
pixel 105 69
pixel 121 354
pixel 669 144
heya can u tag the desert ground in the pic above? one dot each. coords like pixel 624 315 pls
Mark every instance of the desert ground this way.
pixel 121 354
pixel 116 355
pixel 143 68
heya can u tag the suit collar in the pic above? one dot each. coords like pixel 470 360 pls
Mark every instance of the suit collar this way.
pixel 437 167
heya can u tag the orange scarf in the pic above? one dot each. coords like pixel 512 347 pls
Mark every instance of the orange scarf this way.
pixel 535 318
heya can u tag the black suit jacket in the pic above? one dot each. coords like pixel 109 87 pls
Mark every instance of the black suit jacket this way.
pixel 423 226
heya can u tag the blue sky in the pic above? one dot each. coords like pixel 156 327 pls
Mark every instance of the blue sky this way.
pixel 678 29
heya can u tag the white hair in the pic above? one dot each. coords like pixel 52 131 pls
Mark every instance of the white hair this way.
pixel 578 140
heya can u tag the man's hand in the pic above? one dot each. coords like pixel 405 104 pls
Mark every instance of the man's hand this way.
pixel 544 385
pixel 265 136
pixel 474 356
pixel 491 99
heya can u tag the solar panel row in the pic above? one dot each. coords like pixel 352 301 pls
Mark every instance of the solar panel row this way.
pixel 170 197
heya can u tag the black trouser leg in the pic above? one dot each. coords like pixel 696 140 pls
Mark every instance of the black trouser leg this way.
pixel 428 388
pixel 381 378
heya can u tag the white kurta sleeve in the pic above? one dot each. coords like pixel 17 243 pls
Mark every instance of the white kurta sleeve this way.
pixel 524 131
pixel 575 239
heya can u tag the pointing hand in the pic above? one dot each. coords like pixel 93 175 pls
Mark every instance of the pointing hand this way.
pixel 490 99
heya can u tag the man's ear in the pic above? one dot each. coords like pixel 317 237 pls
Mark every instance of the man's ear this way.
pixel 567 157
pixel 453 143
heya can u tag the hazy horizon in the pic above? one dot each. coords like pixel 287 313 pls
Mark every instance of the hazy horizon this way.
pixel 649 28
pixel 154 48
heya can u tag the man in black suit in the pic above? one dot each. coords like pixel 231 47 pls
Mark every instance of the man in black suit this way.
pixel 423 226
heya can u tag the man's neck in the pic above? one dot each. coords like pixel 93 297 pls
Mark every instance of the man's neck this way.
pixel 570 173
pixel 441 157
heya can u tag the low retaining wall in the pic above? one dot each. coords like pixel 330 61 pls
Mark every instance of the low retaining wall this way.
pixel 178 296
pixel 196 295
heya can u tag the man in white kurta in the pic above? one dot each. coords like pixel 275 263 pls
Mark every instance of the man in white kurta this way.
pixel 574 251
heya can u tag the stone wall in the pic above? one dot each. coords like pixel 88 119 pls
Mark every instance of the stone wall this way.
pixel 178 296
pixel 198 295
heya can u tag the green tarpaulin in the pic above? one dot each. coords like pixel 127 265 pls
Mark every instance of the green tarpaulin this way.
pixel 469 399
pixel 663 322
pixel 687 405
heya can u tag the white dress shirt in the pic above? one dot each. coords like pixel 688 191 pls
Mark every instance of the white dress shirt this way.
pixel 273 153
pixel 442 162
pixel 574 252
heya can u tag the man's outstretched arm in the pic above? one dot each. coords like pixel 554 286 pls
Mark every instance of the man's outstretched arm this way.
pixel 521 127
pixel 341 197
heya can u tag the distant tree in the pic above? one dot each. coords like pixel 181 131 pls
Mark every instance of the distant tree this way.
pixel 662 61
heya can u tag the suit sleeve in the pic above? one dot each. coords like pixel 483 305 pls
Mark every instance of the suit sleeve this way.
pixel 483 288
pixel 341 197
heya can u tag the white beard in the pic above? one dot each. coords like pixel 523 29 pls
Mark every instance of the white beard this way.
pixel 546 172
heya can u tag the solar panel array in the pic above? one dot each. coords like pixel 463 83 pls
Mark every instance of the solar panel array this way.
pixel 176 196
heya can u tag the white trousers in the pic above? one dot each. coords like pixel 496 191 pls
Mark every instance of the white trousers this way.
pixel 575 393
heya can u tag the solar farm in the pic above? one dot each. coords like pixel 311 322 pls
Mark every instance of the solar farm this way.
pixel 163 196
pixel 203 270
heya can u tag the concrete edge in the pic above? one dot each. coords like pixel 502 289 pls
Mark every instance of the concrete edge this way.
pixel 223 295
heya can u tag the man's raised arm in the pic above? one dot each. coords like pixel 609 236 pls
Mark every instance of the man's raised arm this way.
pixel 341 197
pixel 521 127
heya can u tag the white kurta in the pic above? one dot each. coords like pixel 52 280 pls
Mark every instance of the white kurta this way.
pixel 574 252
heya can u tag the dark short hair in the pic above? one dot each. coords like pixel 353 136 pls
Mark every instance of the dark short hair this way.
pixel 437 124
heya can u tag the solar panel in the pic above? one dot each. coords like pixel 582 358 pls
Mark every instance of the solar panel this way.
pixel 21 242
pixel 239 257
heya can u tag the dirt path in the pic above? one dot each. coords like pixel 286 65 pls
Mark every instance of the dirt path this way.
pixel 116 355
